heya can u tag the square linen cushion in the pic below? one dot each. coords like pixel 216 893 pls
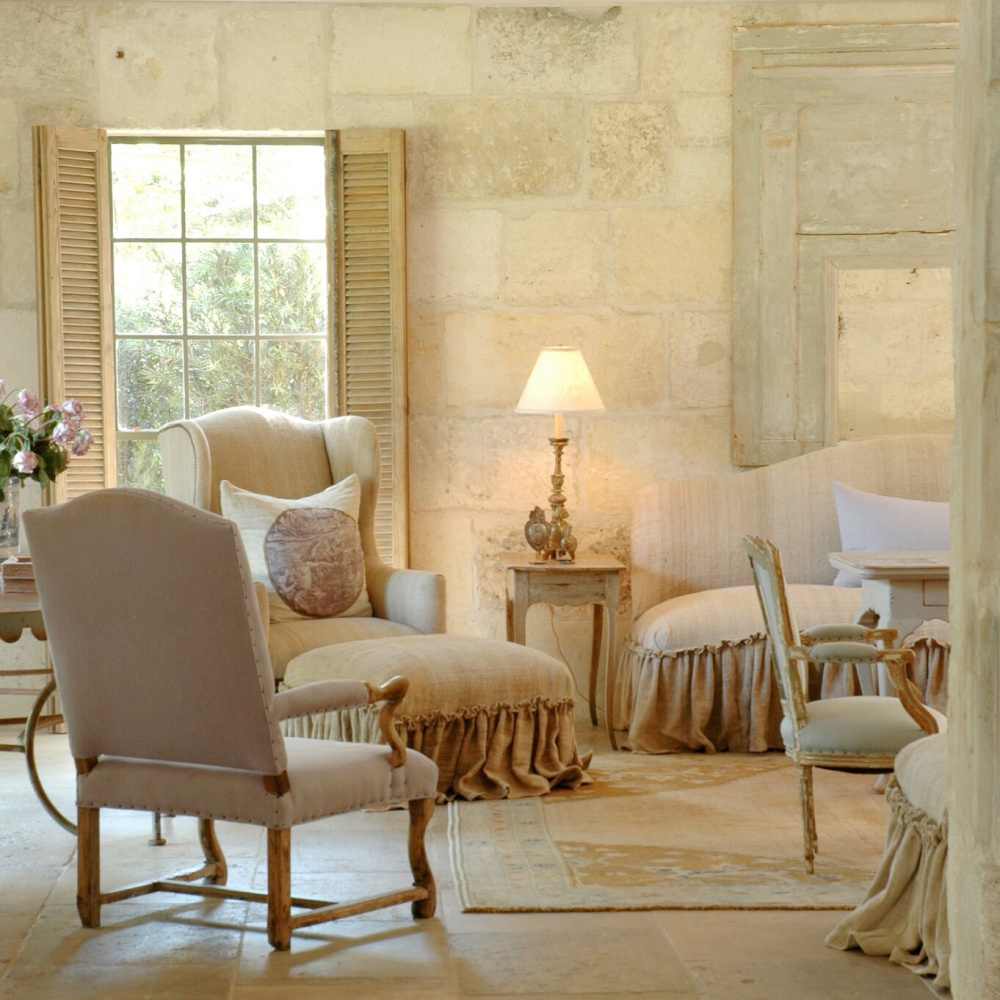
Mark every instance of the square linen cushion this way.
pixel 870 522
pixel 254 514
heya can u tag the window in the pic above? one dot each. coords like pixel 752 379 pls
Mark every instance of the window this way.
pixel 221 290
pixel 180 295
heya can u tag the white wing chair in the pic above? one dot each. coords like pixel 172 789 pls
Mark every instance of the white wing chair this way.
pixel 159 654
pixel 284 456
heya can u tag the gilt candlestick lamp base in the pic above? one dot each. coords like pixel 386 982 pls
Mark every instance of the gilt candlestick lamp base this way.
pixel 553 539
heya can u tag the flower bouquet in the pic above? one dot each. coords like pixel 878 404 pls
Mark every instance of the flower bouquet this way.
pixel 36 442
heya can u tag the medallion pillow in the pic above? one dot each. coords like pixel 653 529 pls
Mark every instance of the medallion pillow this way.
pixel 254 514
pixel 870 522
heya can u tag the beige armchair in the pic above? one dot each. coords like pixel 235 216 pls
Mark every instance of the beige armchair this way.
pixel 284 456
pixel 159 654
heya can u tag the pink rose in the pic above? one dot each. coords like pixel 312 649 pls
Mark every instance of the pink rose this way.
pixel 73 409
pixel 30 405
pixel 25 461
pixel 83 441
pixel 64 433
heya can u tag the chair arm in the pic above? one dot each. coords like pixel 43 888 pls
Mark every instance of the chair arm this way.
pixel 846 632
pixel 391 692
pixel 264 604
pixel 321 696
pixel 412 597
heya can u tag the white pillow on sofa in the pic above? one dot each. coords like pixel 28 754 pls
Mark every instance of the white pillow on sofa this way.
pixel 255 513
pixel 870 522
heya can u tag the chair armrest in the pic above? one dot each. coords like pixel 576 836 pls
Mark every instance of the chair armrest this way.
pixel 321 696
pixel 391 692
pixel 846 632
pixel 412 597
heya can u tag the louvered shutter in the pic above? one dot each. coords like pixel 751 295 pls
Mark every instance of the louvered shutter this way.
pixel 74 281
pixel 371 292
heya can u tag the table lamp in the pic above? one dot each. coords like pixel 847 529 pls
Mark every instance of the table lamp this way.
pixel 559 383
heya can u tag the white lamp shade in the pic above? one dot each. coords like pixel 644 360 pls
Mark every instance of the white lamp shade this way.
pixel 560 382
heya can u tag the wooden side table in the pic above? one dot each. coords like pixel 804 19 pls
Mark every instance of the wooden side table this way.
pixel 588 580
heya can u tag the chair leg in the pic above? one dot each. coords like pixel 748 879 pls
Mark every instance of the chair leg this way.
pixel 421 811
pixel 213 851
pixel 808 814
pixel 88 866
pixel 279 889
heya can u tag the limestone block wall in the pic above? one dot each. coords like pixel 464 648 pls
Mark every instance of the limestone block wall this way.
pixel 569 181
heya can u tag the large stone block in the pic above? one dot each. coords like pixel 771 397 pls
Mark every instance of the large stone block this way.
pixel 490 149
pixel 45 48
pixel 687 48
pixel 167 75
pixel 424 380
pixel 700 175
pixel 488 358
pixel 274 62
pixel 48 109
pixel 537 50
pixel 381 49
pixel 502 463
pixel 625 453
pixel 703 120
pixel 442 542
pixel 19 356
pixel 701 349
pixel 556 258
pixel 10 149
pixel 370 112
pixel 629 150
pixel 454 255
pixel 678 256
pixel 17 256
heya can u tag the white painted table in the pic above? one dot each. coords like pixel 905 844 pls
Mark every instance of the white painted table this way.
pixel 903 589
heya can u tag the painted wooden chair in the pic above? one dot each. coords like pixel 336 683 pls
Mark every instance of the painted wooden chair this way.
pixel 859 733
pixel 162 666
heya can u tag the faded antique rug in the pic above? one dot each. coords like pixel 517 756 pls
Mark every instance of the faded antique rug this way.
pixel 672 831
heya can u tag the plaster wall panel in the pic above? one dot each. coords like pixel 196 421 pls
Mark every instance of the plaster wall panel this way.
pixel 44 48
pixel 17 256
pixel 629 150
pixel 531 50
pixel 167 75
pixel 273 67
pixel 384 49
pixel 700 357
pixel 557 257
pixel 454 255
pixel 680 256
pixel 487 149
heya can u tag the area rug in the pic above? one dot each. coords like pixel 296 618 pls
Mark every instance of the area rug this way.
pixel 672 831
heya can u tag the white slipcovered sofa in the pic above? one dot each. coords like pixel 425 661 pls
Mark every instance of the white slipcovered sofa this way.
pixel 695 671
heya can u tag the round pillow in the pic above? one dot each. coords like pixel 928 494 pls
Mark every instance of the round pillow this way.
pixel 315 561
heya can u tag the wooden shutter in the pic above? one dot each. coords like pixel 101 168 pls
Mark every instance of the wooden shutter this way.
pixel 371 295
pixel 74 302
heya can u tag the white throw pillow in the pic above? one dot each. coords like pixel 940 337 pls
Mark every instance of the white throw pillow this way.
pixel 254 513
pixel 870 522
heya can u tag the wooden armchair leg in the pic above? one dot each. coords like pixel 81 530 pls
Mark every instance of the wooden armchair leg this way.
pixel 88 866
pixel 279 889
pixel 213 851
pixel 421 811
pixel 808 814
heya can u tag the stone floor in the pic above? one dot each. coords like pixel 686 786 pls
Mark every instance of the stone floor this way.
pixel 170 946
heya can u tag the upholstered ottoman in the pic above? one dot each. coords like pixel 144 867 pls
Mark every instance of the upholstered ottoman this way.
pixel 496 717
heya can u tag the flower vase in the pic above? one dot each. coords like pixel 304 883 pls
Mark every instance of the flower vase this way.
pixel 10 518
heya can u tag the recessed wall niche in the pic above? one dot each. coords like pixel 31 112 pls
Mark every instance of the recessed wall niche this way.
pixel 842 164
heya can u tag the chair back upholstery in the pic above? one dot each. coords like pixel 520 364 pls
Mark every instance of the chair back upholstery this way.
pixel 155 632
pixel 782 633
pixel 272 453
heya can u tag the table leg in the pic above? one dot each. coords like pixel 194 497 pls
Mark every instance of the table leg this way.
pixel 595 658
pixel 611 665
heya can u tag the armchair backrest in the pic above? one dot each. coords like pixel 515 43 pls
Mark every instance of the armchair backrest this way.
pixel 272 453
pixel 155 632
pixel 782 633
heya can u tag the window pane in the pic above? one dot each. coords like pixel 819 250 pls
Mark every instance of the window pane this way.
pixel 292 288
pixel 220 289
pixel 221 374
pixel 148 289
pixel 218 191
pixel 145 190
pixel 139 464
pixel 293 376
pixel 150 383
pixel 291 192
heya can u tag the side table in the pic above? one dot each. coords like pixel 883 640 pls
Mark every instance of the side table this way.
pixel 589 580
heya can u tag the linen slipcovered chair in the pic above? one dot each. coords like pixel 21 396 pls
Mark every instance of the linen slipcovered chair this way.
pixel 168 696
pixel 856 733
pixel 278 455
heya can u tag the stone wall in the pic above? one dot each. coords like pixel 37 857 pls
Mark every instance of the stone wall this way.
pixel 569 181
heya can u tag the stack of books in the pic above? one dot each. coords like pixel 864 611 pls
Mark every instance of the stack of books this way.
pixel 17 575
